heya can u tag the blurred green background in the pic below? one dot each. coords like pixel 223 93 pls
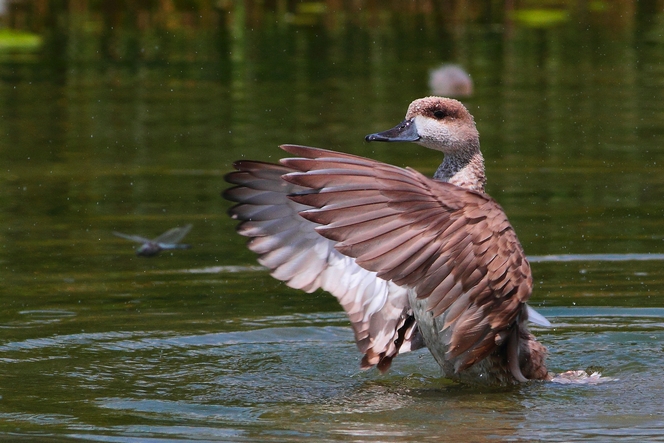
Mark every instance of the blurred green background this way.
pixel 125 116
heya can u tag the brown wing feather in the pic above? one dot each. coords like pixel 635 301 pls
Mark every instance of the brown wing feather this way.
pixel 289 246
pixel 455 247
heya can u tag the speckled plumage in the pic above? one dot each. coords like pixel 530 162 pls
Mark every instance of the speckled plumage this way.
pixel 412 260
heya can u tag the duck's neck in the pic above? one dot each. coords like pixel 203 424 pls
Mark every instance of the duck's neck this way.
pixel 464 169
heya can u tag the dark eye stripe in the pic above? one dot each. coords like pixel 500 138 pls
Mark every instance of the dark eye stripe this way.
pixel 439 114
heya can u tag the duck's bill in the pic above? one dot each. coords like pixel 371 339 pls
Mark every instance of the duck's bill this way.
pixel 406 131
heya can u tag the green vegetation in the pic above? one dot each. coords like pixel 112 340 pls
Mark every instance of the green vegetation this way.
pixel 19 40
pixel 540 18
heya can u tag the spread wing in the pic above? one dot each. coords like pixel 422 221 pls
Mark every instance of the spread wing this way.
pixel 295 253
pixel 135 238
pixel 173 235
pixel 453 246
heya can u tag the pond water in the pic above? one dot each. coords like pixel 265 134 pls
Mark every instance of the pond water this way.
pixel 127 120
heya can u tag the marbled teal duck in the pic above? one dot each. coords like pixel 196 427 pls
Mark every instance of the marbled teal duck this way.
pixel 413 261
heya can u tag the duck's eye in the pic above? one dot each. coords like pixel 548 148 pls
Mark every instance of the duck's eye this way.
pixel 439 114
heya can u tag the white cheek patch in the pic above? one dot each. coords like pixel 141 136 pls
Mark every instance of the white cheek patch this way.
pixel 432 131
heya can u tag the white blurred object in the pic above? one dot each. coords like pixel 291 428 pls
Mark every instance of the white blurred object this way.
pixel 450 81
pixel 580 378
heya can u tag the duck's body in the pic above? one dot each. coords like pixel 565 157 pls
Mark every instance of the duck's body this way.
pixel 413 261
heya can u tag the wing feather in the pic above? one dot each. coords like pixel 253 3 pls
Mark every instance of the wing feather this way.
pixel 453 246
pixel 289 246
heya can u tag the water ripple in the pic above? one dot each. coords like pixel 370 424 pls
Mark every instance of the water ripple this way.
pixel 594 257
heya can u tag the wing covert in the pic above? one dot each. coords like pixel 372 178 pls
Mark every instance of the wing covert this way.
pixel 453 246
pixel 289 246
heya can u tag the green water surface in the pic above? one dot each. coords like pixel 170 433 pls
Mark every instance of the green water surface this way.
pixel 127 117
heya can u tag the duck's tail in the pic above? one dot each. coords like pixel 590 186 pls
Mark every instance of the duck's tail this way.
pixel 526 356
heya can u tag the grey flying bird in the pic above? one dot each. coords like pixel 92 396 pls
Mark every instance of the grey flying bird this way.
pixel 167 240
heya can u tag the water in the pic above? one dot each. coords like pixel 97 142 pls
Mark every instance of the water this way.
pixel 127 121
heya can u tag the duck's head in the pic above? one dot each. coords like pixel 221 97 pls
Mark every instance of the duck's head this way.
pixel 439 123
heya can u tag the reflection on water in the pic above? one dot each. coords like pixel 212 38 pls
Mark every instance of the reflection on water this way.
pixel 125 118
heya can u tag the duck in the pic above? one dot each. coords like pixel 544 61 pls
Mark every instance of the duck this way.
pixel 451 81
pixel 414 261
